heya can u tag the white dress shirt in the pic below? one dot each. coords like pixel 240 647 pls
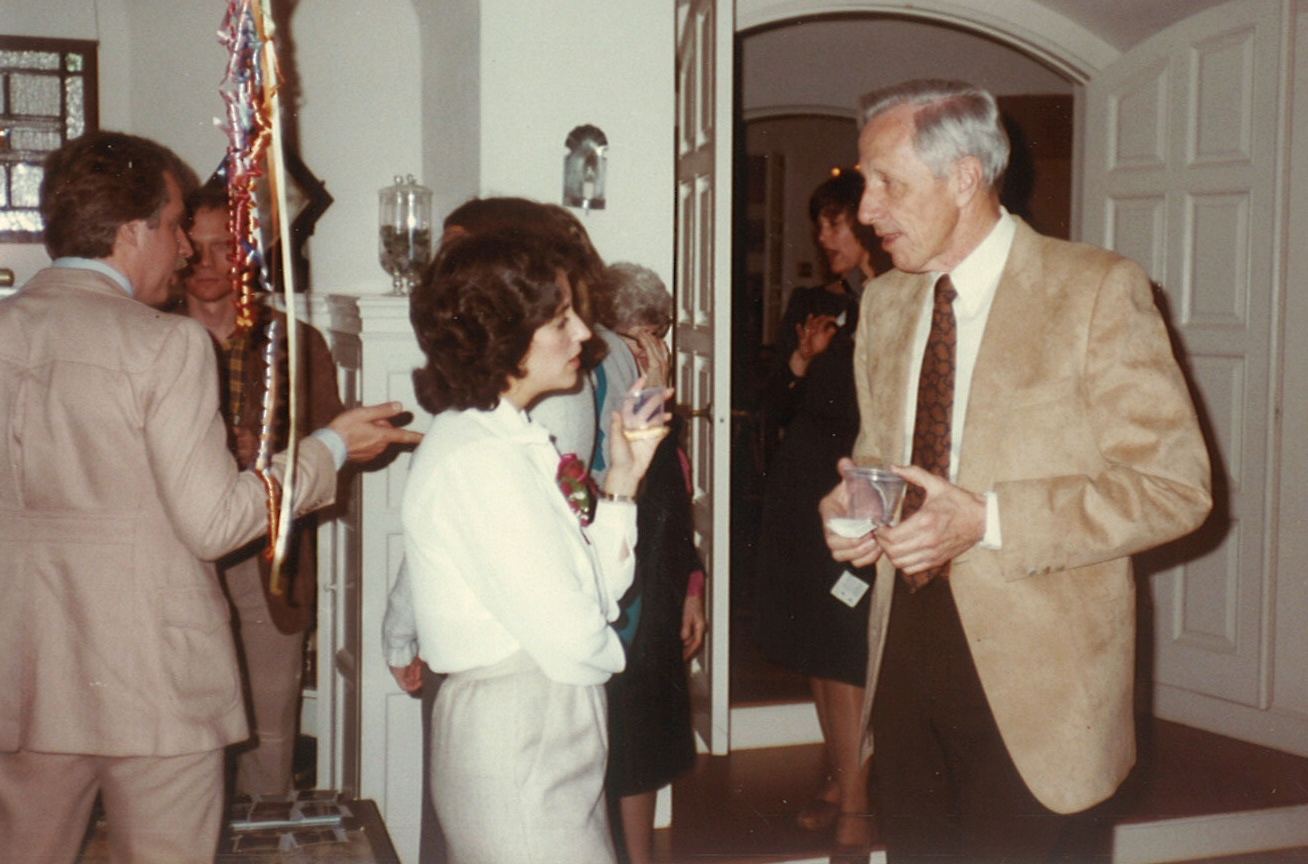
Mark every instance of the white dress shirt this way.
pixel 500 563
pixel 98 266
pixel 975 279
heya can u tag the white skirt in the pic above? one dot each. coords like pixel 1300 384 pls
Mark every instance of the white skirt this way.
pixel 517 767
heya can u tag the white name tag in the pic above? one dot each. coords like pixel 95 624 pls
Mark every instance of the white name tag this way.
pixel 849 589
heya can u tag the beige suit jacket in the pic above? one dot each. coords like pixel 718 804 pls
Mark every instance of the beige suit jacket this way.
pixel 117 491
pixel 1080 421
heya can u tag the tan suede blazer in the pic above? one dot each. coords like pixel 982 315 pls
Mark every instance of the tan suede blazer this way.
pixel 1080 421
pixel 116 490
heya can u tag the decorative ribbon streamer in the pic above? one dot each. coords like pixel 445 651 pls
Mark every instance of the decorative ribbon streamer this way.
pixel 250 91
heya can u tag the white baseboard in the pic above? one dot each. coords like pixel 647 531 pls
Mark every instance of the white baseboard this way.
pixel 778 725
pixel 1211 836
pixel 1281 730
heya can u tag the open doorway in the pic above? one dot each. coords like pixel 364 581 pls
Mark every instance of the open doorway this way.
pixel 799 86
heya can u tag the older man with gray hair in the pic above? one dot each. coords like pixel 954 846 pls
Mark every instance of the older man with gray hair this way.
pixel 1029 386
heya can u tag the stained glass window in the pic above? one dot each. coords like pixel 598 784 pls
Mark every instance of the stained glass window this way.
pixel 48 94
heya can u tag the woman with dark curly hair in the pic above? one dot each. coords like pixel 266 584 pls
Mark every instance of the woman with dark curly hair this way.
pixel 516 577
pixel 799 623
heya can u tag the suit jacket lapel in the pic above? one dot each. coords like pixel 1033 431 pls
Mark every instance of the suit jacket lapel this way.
pixel 1004 358
pixel 891 323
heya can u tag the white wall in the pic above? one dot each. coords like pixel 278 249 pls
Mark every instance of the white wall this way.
pixel 478 100
pixel 177 65
pixel 472 98
pixel 451 119
pixel 548 67
pixel 827 64
pixel 360 125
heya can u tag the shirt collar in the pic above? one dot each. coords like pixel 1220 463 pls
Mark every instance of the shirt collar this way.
pixel 854 281
pixel 75 263
pixel 518 423
pixel 976 276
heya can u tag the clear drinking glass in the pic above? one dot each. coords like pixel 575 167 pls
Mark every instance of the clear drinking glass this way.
pixel 642 413
pixel 874 497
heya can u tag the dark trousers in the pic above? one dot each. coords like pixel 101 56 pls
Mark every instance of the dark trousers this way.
pixel 947 789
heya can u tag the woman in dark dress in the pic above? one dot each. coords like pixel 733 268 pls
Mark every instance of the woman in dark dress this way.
pixel 810 396
pixel 662 622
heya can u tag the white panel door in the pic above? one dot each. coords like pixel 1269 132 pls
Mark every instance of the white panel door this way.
pixel 1183 160
pixel 702 336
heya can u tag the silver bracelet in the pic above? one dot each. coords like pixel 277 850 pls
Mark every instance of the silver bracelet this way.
pixel 621 499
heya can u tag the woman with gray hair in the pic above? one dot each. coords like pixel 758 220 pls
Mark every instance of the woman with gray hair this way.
pixel 662 621
pixel 633 302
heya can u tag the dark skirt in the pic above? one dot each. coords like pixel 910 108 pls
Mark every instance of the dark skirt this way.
pixel 650 737
pixel 798 623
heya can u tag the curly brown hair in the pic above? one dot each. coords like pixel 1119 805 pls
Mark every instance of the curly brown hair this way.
pixel 839 195
pixel 550 224
pixel 102 180
pixel 475 313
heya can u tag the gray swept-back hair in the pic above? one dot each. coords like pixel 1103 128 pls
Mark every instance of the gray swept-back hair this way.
pixel 954 119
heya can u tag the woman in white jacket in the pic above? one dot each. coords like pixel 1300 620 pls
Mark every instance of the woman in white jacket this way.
pixel 516 572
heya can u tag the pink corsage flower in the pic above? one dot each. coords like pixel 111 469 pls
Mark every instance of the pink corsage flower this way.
pixel 577 487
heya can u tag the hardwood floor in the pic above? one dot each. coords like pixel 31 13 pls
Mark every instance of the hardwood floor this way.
pixel 741 807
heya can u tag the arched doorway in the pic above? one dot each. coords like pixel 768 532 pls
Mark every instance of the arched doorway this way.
pixel 800 82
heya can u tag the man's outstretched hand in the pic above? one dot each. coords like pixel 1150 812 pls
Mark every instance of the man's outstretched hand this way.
pixel 367 430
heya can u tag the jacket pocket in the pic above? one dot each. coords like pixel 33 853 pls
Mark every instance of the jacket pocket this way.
pixel 199 659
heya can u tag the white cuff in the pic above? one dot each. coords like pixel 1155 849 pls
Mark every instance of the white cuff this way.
pixel 335 443
pixel 994 538
pixel 401 656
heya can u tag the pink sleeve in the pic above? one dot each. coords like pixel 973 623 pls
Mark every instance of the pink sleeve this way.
pixel 695 587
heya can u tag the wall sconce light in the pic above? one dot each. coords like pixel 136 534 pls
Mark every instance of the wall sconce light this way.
pixel 584 168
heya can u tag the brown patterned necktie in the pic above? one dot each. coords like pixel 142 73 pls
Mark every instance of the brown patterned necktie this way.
pixel 935 409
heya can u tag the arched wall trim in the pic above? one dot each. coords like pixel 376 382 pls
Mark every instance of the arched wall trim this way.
pixel 766 112
pixel 1024 24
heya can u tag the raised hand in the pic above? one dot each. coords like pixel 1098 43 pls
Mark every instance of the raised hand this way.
pixel 815 336
pixel 652 358
pixel 693 625
pixel 634 436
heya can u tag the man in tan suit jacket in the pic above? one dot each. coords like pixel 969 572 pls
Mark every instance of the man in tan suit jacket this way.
pixel 999 689
pixel 116 657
